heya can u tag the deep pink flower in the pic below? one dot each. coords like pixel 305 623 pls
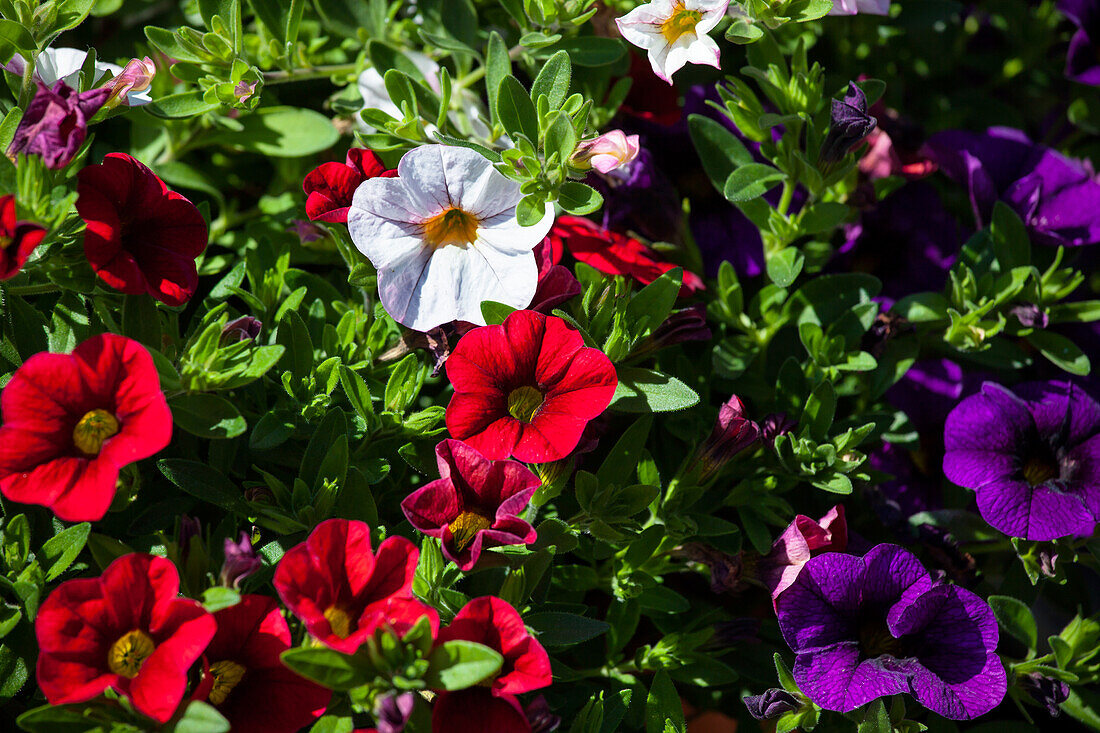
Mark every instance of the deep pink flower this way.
pixel 55 124
pixel 803 539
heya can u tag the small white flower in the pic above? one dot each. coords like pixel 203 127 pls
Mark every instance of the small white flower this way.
pixel 851 7
pixel 674 32
pixel 443 237
pixel 64 64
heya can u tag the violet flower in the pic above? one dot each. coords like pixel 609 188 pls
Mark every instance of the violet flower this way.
pixel 1057 198
pixel 392 712
pixel 1083 56
pixel 540 717
pixel 55 124
pixel 638 197
pixel 849 124
pixel 1032 456
pixel 864 628
pixel 771 704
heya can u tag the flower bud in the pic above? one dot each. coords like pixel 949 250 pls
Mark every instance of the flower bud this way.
pixel 771 704
pixel 850 124
pixel 1049 693
pixel 540 717
pixel 245 328
pixel 606 152
pixel 732 433
pixel 393 711
pixel 127 86
pixel 240 561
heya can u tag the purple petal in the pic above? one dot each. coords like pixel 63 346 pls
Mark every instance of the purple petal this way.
pixel 894 577
pixel 819 608
pixel 836 679
pixel 1039 513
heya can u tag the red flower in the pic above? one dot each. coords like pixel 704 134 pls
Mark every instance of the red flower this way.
pixel 343 592
pixel 126 630
pixel 494 623
pixel 244 677
pixel 526 388
pixel 330 186
pixel 141 237
pixel 17 239
pixel 556 284
pixel 615 254
pixel 474 505
pixel 71 421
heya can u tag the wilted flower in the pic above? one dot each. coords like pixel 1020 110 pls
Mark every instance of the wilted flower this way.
pixel 732 433
pixel 775 424
pixel 130 84
pixel 541 718
pixel 1032 456
pixel 852 7
pixel 556 283
pixel 17 239
pixel 1083 56
pixel 1030 315
pixel 241 561
pixel 804 538
pixel 607 152
pixel 245 328
pixel 444 237
pixel 55 123
pixel 848 125
pixel 865 628
pixel 674 32
pixel 771 704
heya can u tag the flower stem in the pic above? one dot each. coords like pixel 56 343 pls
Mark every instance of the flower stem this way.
pixel 26 89
pixel 785 198
pixel 313 72
pixel 32 289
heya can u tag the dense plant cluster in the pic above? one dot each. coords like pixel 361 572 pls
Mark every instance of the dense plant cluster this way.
pixel 511 366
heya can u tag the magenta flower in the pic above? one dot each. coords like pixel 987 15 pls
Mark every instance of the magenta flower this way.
pixel 474 505
pixel 1083 56
pixel 56 123
pixel 607 152
pixel 1031 455
pixel 864 628
pixel 803 539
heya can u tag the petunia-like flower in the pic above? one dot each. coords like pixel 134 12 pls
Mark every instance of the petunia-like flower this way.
pixel 607 152
pixel 141 237
pixel 674 33
pixel 343 591
pixel 17 239
pixel 244 678
pixel 330 186
pixel 804 538
pixel 864 628
pixel 241 561
pixel 55 124
pixel 1032 456
pixel 130 85
pixel 126 630
pixel 492 706
pixel 638 197
pixel 72 421
pixel 867 7
pixel 444 237
pixel 556 284
pixel 526 388
pixel 1083 56
pixel 1057 198
pixel 849 124
pixel 615 254
pixel 474 505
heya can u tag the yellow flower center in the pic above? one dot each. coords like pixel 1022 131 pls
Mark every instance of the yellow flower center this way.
pixel 524 402
pixel 451 226
pixel 93 429
pixel 227 675
pixel 680 22
pixel 5 242
pixel 466 526
pixel 1038 470
pixel 339 620
pixel 126 655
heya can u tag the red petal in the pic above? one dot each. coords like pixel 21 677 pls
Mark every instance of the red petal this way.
pixel 476 710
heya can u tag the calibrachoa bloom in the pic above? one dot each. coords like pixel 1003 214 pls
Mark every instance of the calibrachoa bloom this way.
pixel 474 505
pixel 615 254
pixel 864 628
pixel 141 237
pixel 852 7
pixel 72 421
pixel 526 388
pixel 1057 198
pixel 674 32
pixel 1083 57
pixel 126 630
pixel 55 123
pixel 330 186
pixel 444 237
pixel 804 538
pixel 343 591
pixel 17 239
pixel 1032 455
pixel 244 678
pixel 607 152
pixel 130 84
pixel 492 706
pixel 732 433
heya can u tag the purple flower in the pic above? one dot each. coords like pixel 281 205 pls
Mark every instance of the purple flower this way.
pixel 1032 457
pixel 540 717
pixel 864 628
pixel 852 7
pixel 1083 56
pixel 245 328
pixel 392 712
pixel 733 432
pixel 56 123
pixel 1048 692
pixel 1057 198
pixel 240 561
pixel 771 704
pixel 849 124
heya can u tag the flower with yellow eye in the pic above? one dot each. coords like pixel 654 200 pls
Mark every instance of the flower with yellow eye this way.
pixel 674 33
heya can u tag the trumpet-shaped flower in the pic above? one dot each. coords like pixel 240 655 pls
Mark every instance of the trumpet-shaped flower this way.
pixel 444 237
pixel 674 32
pixel 607 152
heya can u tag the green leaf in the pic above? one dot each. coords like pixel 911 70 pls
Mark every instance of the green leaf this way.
pixel 720 151
pixel 624 456
pixel 64 547
pixel 204 482
pixel 216 598
pixel 579 198
pixel 207 416
pixel 281 132
pixel 647 390
pixel 817 417
pixel 497 66
pixel 785 265
pixel 751 181
pixel 553 79
pixel 1016 619
pixel 329 667
pixel 663 706
pixel 166 41
pixel 650 306
pixel 357 392
pixel 555 628
pixel 1062 352
pixel 181 105
pixel 458 664
pixel 1011 243
pixel 14 37
pixel 515 110
pixel 561 138
pixel 495 313
pixel 591 50
pixel 13 673
pixel 875 719
pixel 201 717
pixel 271 430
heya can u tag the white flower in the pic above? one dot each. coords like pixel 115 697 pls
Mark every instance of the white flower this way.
pixel 64 64
pixel 444 237
pixel 851 7
pixel 674 32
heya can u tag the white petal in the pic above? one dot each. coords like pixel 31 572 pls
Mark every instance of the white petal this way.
pixel 440 176
pixel 488 274
pixel 645 35
pixel 427 67
pixel 658 59
pixel 713 12
pixel 380 227
pixel 677 54
pixel 372 89
pixel 703 50
pixel 504 234
pixel 399 289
